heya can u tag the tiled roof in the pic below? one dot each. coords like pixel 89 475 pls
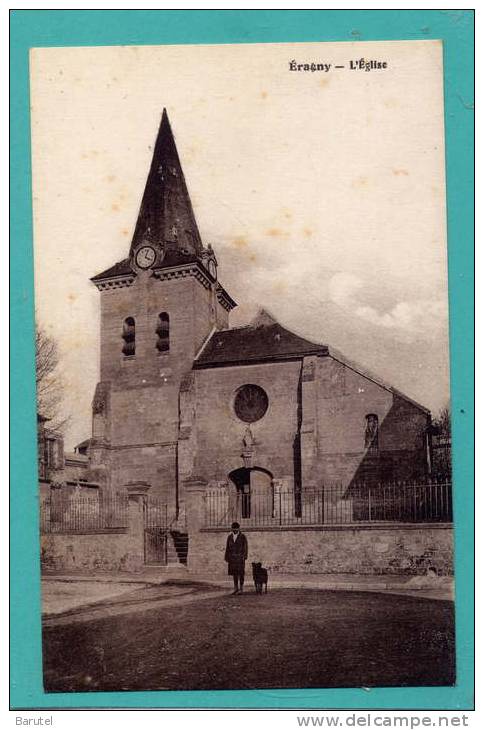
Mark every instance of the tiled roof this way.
pixel 83 444
pixel 78 458
pixel 123 268
pixel 263 339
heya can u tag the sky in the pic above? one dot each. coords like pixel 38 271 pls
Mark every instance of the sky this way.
pixel 322 193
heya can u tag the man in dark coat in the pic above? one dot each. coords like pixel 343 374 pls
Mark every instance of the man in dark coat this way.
pixel 236 552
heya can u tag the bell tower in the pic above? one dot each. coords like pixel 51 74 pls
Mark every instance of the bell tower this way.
pixel 158 307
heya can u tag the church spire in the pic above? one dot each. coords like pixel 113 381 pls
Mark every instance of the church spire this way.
pixel 166 219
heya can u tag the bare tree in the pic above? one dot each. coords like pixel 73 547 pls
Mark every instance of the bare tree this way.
pixel 441 440
pixel 443 422
pixel 49 381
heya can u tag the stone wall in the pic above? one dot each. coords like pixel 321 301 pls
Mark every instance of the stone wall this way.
pixel 407 549
pixel 344 398
pixel 368 550
pixel 108 550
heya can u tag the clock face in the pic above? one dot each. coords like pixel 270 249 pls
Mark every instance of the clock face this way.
pixel 251 403
pixel 212 268
pixel 145 257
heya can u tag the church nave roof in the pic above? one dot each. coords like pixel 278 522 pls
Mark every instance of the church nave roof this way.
pixel 263 339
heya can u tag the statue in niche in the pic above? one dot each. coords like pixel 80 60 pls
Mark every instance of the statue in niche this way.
pixel 248 439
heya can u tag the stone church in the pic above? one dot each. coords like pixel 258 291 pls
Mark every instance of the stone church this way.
pixel 249 409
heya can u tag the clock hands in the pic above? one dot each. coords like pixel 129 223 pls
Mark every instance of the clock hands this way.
pixel 145 256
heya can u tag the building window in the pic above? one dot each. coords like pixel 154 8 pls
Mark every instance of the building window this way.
pixel 251 403
pixel 163 333
pixel 129 337
pixel 52 452
pixel 371 433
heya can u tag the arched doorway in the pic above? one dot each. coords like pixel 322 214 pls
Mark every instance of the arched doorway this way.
pixel 253 496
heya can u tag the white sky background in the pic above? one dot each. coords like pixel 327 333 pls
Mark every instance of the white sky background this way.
pixel 323 194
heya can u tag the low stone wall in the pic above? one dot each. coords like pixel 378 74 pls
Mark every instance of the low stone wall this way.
pixel 370 549
pixel 103 551
pixel 107 550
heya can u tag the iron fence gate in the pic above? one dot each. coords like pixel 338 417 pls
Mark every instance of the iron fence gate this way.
pixel 156 531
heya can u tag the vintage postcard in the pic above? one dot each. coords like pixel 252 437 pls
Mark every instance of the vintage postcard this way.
pixel 243 366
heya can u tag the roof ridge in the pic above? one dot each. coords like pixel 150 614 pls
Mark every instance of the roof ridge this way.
pixel 249 343
pixel 370 375
pixel 275 323
pixel 232 329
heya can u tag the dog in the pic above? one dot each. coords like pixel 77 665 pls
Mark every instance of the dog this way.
pixel 261 577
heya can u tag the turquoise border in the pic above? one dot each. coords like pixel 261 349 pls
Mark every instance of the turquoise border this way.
pixel 144 27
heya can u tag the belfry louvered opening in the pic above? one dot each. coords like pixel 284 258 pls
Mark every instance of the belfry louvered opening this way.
pixel 129 337
pixel 163 332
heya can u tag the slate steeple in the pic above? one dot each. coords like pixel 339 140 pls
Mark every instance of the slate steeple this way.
pixel 166 219
pixel 166 240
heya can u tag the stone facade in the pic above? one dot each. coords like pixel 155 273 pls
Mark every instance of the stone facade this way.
pixel 165 418
pixel 136 421
pixel 313 432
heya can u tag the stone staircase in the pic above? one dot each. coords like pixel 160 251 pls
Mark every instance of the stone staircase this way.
pixel 176 552
pixel 177 549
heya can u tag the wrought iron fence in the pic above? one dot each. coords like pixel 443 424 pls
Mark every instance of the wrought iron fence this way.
pixel 430 501
pixel 71 513
pixel 158 513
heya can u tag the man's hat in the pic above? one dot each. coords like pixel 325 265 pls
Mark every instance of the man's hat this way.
pixel 235 526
